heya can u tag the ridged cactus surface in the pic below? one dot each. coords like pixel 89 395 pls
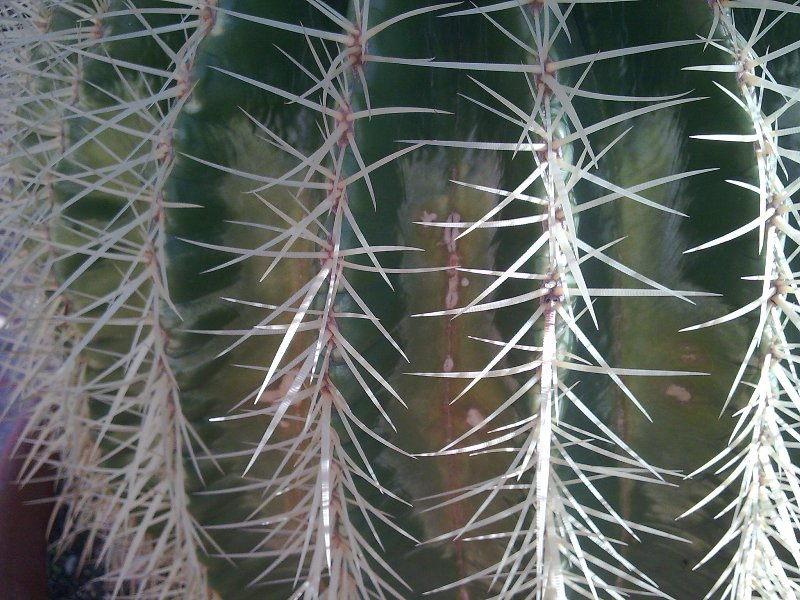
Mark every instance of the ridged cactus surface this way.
pixel 385 299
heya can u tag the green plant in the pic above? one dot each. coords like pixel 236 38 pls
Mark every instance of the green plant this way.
pixel 375 298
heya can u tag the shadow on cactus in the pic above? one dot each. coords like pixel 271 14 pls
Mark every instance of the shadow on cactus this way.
pixel 352 299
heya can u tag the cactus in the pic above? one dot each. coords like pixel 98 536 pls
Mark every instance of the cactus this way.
pixel 352 299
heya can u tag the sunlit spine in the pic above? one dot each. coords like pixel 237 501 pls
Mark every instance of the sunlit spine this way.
pixel 556 541
pixel 114 505
pixel 758 462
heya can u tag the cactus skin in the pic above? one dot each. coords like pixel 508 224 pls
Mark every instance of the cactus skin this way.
pixel 270 356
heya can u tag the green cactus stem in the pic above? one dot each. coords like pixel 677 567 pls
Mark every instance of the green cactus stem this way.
pixel 350 299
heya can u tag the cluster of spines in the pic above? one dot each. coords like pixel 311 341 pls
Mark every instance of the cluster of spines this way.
pixel 333 558
pixel 549 549
pixel 758 464
pixel 115 505
pixel 41 77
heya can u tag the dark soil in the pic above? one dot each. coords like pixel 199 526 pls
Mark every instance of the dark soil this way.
pixel 64 580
